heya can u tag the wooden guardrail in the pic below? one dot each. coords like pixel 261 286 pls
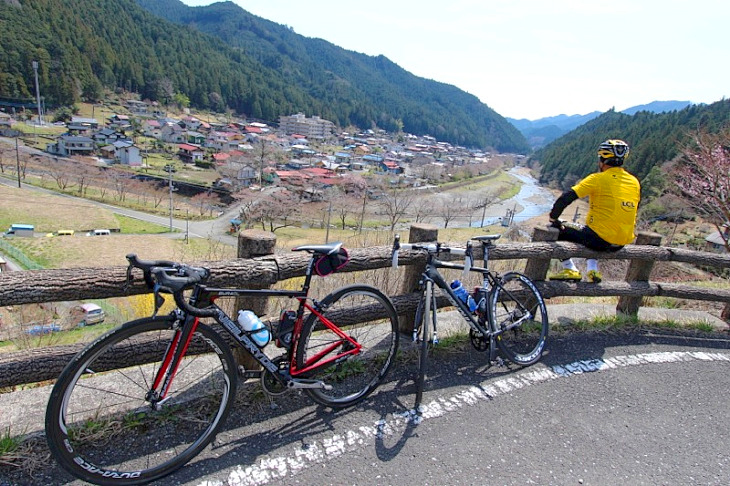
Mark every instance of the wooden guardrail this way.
pixel 40 286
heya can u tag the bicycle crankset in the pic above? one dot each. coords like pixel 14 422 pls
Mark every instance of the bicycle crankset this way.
pixel 478 340
pixel 270 383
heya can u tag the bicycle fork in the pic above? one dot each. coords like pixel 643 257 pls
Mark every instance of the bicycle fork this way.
pixel 176 349
pixel 421 318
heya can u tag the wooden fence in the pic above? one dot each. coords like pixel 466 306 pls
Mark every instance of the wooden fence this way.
pixel 258 267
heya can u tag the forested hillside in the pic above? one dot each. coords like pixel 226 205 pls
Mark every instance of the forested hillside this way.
pixel 654 138
pixel 86 46
pixel 363 90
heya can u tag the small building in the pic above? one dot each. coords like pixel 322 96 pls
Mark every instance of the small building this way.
pixel 68 145
pixel 189 153
pixel 715 241
pixel 129 155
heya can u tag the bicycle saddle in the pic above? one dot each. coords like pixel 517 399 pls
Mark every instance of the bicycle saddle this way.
pixel 325 249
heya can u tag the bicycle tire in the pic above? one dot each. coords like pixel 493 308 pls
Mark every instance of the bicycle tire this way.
pixel 100 428
pixel 355 377
pixel 427 314
pixel 524 343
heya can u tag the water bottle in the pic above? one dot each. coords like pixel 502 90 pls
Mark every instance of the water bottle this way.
pixel 258 330
pixel 463 295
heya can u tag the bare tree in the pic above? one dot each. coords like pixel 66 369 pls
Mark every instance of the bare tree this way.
pixel 159 194
pixel 272 209
pixel 263 155
pixel 205 201
pixel 449 208
pixel 422 207
pixel 277 208
pixel 484 201
pixel 395 205
pixel 6 153
pixel 60 171
pixel 120 183
pixel 343 206
pixel 702 178
pixel 248 202
pixel 84 174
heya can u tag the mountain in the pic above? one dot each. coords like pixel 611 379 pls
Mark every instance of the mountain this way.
pixel 377 91
pixel 544 130
pixel 658 107
pixel 654 138
pixel 253 67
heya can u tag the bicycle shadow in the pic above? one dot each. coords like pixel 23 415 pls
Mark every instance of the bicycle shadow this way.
pixel 273 443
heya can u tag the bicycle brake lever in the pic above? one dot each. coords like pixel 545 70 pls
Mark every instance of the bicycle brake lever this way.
pixel 159 300
pixel 394 255
pixel 128 282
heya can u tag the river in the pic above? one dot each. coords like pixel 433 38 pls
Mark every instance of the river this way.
pixel 533 200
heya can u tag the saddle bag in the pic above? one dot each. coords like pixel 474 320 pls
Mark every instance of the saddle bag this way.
pixel 329 264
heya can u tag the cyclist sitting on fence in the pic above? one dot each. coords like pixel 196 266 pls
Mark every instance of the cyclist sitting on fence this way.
pixel 613 196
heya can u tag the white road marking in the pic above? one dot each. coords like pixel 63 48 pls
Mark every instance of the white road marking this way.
pixel 272 468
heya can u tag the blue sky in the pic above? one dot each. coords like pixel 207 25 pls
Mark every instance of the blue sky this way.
pixel 533 58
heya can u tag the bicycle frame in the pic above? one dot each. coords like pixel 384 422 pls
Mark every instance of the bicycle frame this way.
pixel 490 282
pixel 203 293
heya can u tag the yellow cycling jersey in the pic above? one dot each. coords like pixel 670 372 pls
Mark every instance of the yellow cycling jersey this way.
pixel 613 196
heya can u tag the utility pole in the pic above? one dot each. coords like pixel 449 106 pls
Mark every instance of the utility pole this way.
pixel 169 179
pixel 575 216
pixel 17 159
pixel 362 213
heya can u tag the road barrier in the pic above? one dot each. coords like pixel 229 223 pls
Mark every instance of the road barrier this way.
pixel 261 268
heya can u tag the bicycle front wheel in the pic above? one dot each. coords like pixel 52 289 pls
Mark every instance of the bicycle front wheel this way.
pixel 100 425
pixel 519 319
pixel 367 316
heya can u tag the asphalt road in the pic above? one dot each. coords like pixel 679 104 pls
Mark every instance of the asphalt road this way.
pixel 642 408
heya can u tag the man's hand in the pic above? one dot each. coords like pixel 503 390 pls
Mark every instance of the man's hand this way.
pixel 556 223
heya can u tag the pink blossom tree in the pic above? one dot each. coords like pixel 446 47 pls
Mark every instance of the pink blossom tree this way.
pixel 702 178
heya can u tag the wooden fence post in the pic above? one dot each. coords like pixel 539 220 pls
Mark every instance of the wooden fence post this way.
pixel 251 244
pixel 536 269
pixel 639 271
pixel 419 233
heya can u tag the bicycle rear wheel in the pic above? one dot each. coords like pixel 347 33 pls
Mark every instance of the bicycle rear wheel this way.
pixel 365 314
pixel 99 424
pixel 520 318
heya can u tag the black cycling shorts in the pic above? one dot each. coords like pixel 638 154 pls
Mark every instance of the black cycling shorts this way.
pixel 587 237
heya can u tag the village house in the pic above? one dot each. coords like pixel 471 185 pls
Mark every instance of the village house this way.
pixel 82 126
pixel 108 135
pixel 390 167
pixel 137 107
pixel 152 128
pixel 715 241
pixel 172 133
pixel 120 122
pixel 190 154
pixel 69 145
